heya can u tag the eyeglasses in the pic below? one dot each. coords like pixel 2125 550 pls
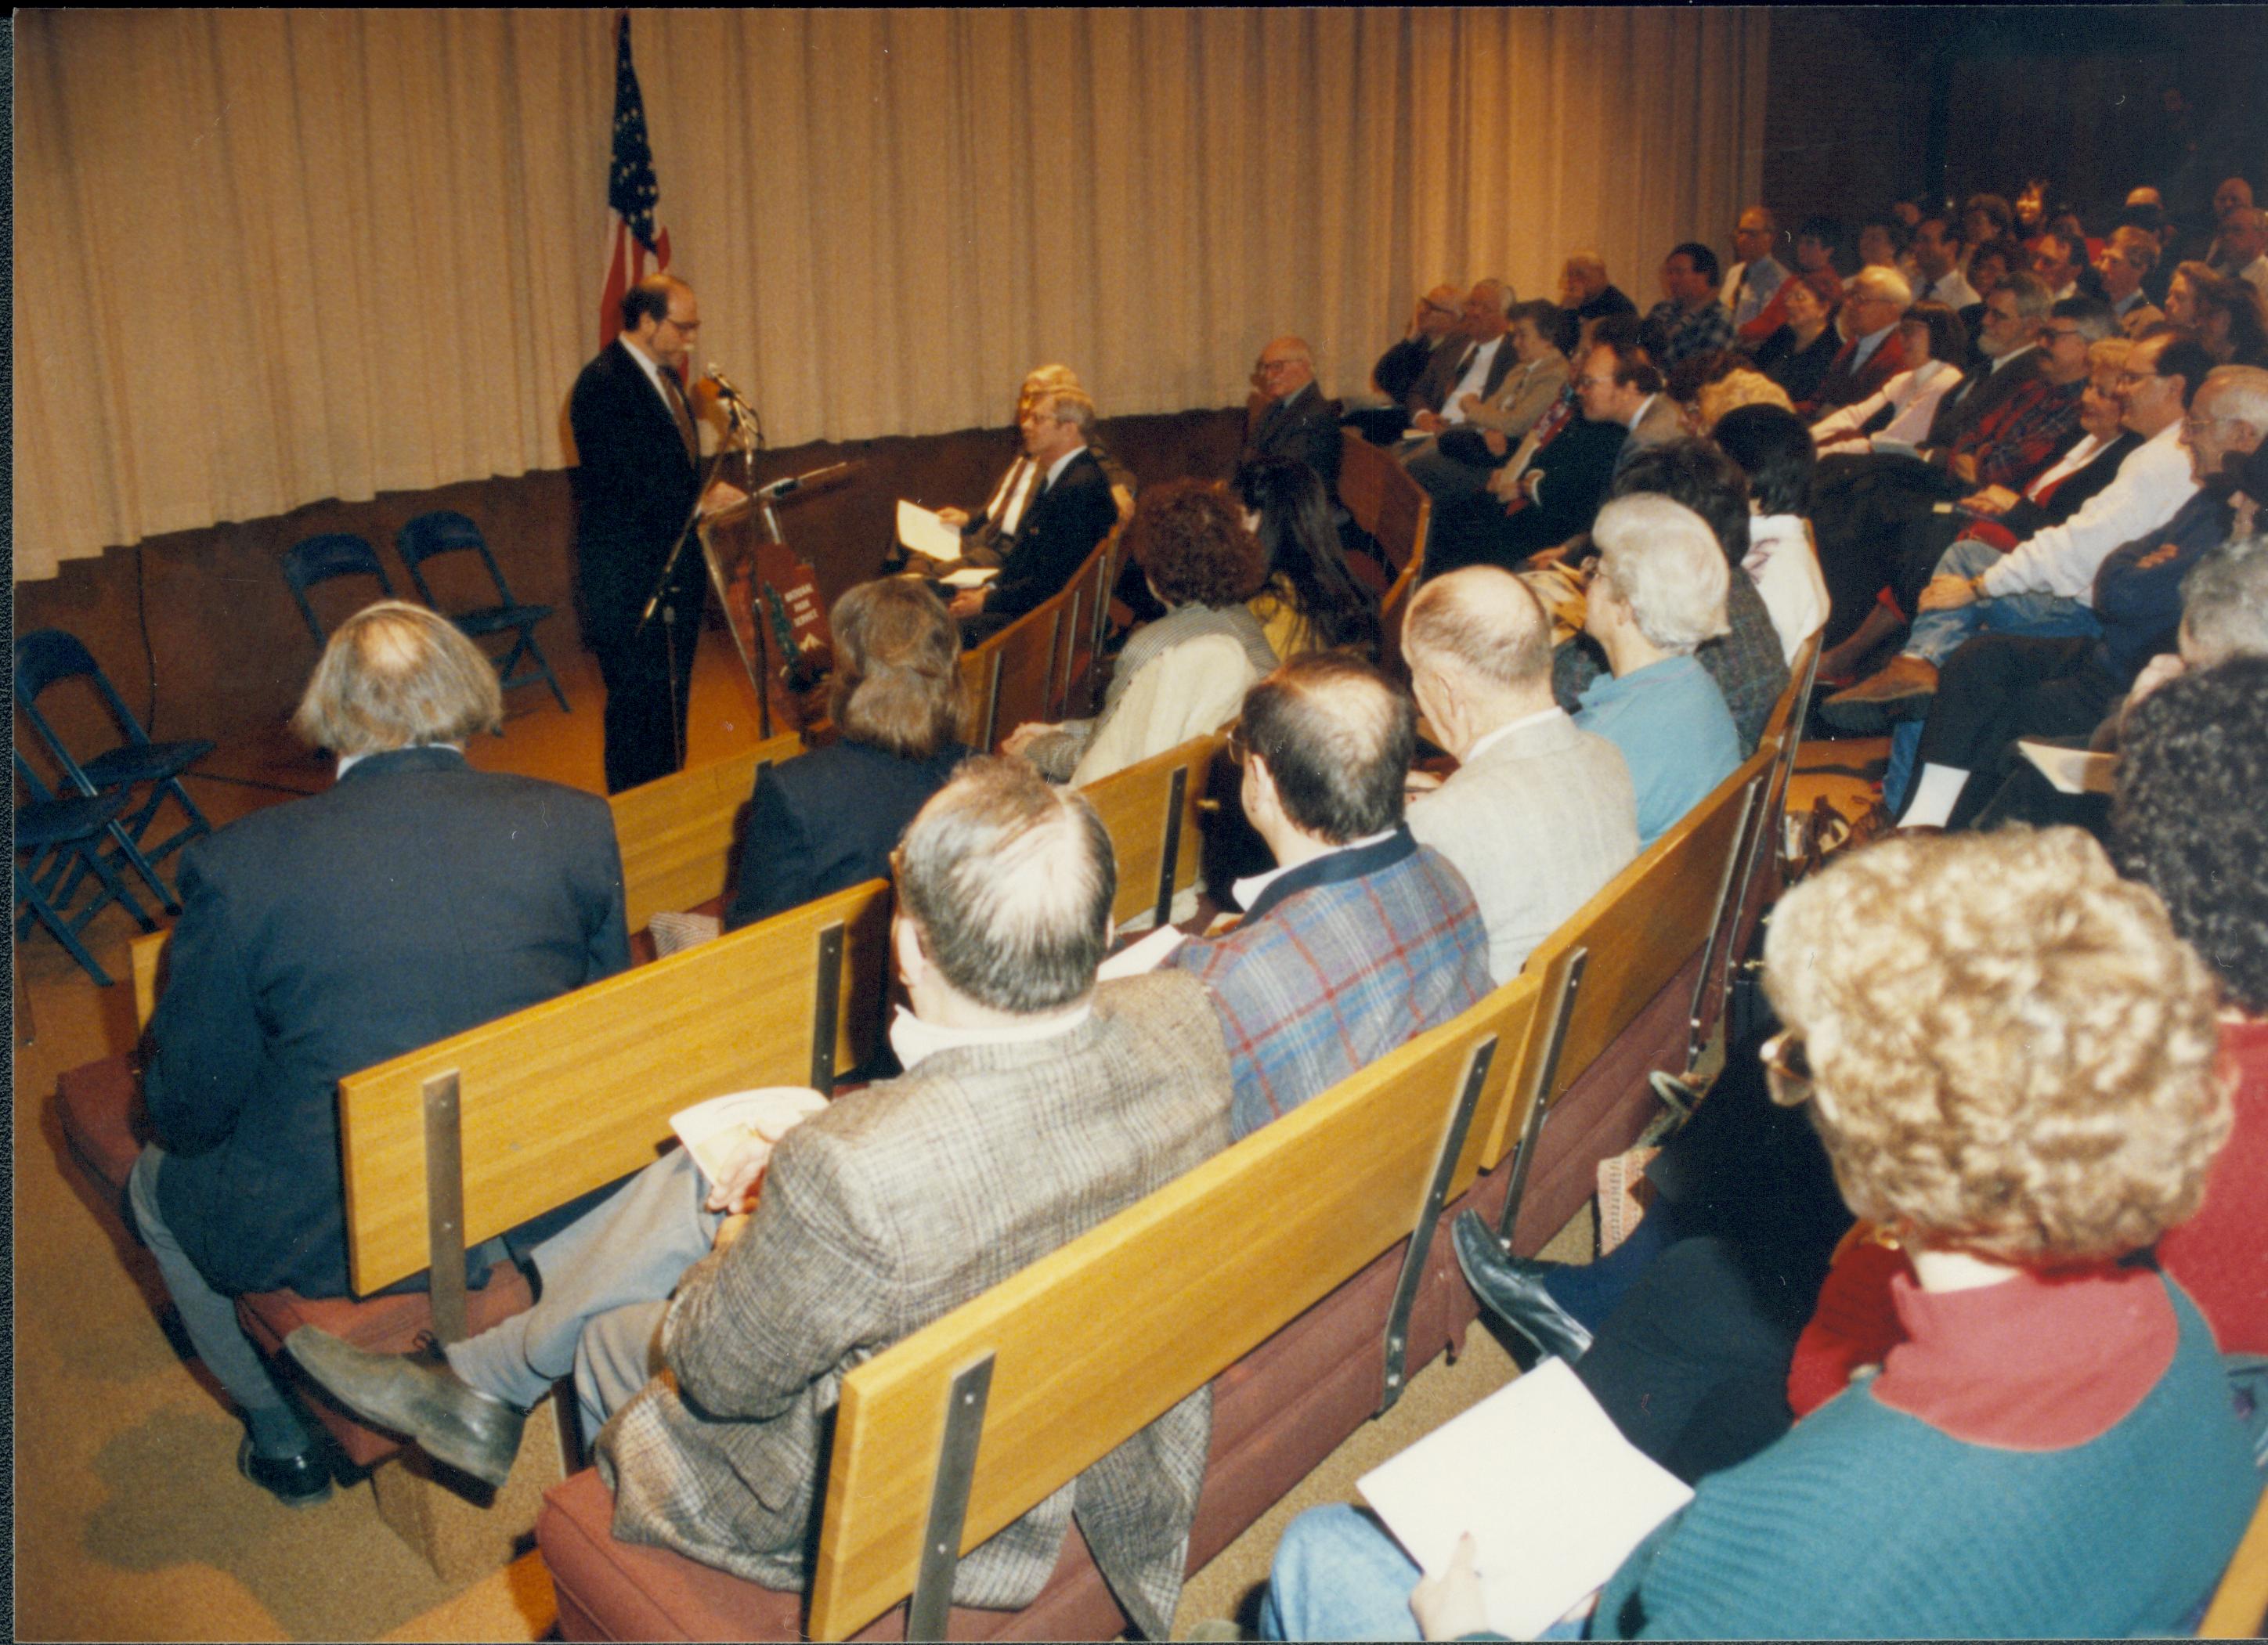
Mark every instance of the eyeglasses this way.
pixel 2194 426
pixel 688 326
pixel 1787 1071
pixel 1240 745
pixel 2059 334
pixel 1268 367
pixel 2135 380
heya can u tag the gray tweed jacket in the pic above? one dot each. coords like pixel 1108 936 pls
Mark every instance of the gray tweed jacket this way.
pixel 888 1210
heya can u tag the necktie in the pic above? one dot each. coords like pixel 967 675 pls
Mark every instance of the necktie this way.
pixel 677 409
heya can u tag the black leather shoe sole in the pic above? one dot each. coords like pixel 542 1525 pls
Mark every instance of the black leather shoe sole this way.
pixel 1874 717
pixel 1513 1290
pixel 300 1480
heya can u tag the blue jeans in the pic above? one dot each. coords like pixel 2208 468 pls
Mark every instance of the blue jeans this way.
pixel 1938 634
pixel 1337 1575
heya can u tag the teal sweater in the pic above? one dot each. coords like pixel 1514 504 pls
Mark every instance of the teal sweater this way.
pixel 1866 1522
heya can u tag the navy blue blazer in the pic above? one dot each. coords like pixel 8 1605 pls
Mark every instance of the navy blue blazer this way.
pixel 1061 528
pixel 634 487
pixel 415 898
pixel 828 820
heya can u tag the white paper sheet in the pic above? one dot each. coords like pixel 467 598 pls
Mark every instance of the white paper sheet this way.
pixel 1137 958
pixel 1554 1497
pixel 970 576
pixel 920 531
pixel 714 1132
pixel 2074 770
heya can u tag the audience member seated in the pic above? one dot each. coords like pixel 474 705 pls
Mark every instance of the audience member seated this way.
pixel 1933 345
pixel 415 898
pixel 2224 312
pixel 2189 825
pixel 2059 263
pixel 1432 324
pixel 2036 1363
pixel 1986 220
pixel 1554 497
pixel 2244 246
pixel 1689 319
pixel 1036 1105
pixel 1797 355
pixel 1882 244
pixel 2042 586
pixel 1730 392
pixel 828 819
pixel 1659 592
pixel 1297 421
pixel 1745 659
pixel 1987 270
pixel 1873 354
pixel 1185 674
pixel 2126 260
pixel 1073 512
pixel 1773 448
pixel 2001 686
pixel 1586 298
pixel 1311 602
pixel 1538 815
pixel 1749 283
pixel 1816 239
pixel 1937 277
pixel 1458 461
pixel 1360 937
pixel 1460 379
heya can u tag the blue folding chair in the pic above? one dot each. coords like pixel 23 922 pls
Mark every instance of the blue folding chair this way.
pixel 445 531
pixel 48 656
pixel 58 844
pixel 315 560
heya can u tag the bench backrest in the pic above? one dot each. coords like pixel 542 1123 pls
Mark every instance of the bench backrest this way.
pixel 1153 829
pixel 1636 934
pixel 1384 500
pixel 570 1094
pixel 676 840
pixel 1019 675
pixel 2240 1602
pixel 1087 614
pixel 1093 1342
pixel 676 832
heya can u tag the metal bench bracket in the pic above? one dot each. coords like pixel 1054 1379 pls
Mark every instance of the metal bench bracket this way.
pixel 1421 1236
pixel 948 1502
pixel 1547 1070
pixel 444 1206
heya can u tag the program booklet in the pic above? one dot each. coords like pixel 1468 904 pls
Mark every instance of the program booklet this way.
pixel 716 1131
pixel 1554 1496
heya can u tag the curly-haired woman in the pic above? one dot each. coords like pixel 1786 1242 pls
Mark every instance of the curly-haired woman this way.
pixel 1186 673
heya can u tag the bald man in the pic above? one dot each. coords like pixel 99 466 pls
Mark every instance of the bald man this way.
pixel 1540 814
pixel 1294 419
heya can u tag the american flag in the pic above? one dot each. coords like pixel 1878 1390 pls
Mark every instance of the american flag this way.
pixel 631 192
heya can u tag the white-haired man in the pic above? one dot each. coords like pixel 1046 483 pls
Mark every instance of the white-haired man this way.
pixel 1035 1105
pixel 1539 814
pixel 1657 593
pixel 413 899
pixel 1872 352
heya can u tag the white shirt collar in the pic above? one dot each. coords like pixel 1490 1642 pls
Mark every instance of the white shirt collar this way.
pixel 1868 344
pixel 1639 416
pixel 652 367
pixel 1249 889
pixel 2013 355
pixel 1505 729
pixel 916 1041
pixel 1062 463
pixel 347 762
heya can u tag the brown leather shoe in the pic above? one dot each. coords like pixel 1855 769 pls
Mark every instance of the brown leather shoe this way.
pixel 1900 692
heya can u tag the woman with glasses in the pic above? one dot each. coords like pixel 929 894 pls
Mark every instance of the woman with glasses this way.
pixel 2010 1058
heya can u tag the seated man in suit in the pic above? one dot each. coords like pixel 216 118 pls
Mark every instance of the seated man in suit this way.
pixel 1035 1105
pixel 1456 462
pixel 1556 495
pixel 1657 593
pixel 1457 379
pixel 415 898
pixel 1073 512
pixel 1586 298
pixel 1538 815
pixel 1297 421
pixel 1360 937
pixel 1873 351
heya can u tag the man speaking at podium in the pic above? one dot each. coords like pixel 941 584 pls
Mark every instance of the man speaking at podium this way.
pixel 638 454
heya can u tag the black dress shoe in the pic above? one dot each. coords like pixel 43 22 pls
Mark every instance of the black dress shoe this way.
pixel 1512 1289
pixel 410 1394
pixel 298 1480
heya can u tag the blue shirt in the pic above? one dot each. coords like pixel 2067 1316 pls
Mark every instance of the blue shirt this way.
pixel 1670 722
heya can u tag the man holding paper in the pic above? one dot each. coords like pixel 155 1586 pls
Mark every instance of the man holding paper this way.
pixel 1035 1105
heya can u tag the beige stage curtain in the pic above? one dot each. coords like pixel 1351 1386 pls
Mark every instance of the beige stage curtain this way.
pixel 265 258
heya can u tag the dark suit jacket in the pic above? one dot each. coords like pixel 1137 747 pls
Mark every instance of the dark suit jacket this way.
pixel 1448 365
pixel 1399 367
pixel 634 489
pixel 415 898
pixel 1842 386
pixel 1060 529
pixel 828 820
pixel 1577 466
pixel 1304 426
pixel 1572 321
pixel 1979 391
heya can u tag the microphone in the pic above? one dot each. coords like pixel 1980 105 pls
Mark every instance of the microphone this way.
pixel 793 483
pixel 725 389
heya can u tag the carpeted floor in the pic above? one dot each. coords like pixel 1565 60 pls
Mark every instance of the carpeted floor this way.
pixel 131 1521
